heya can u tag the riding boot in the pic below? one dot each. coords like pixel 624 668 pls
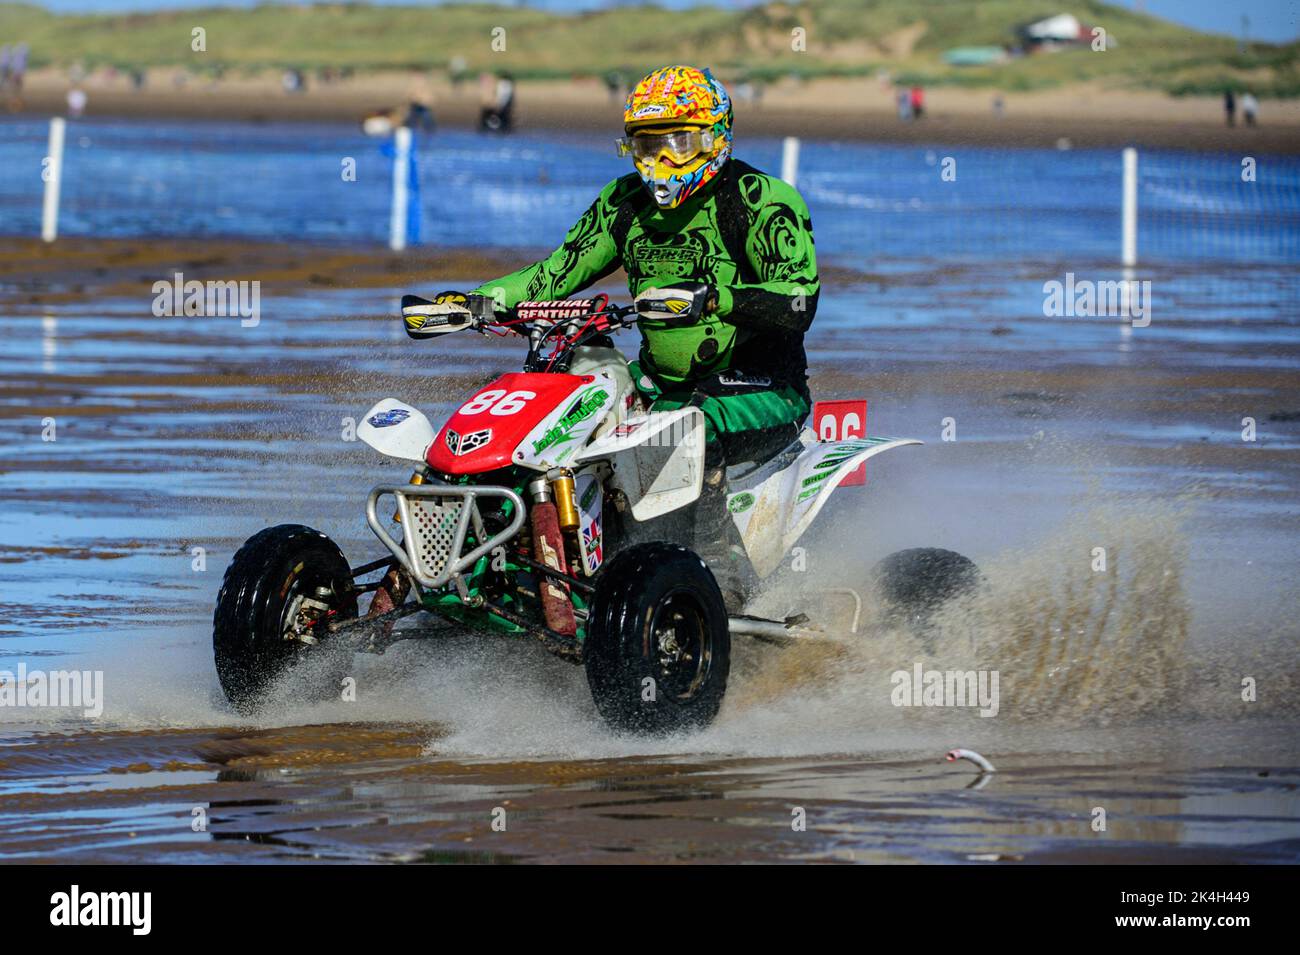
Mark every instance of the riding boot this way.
pixel 718 544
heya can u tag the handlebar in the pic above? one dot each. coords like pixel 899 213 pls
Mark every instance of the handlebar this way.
pixel 565 324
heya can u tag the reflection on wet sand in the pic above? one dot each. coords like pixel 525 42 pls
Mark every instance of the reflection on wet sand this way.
pixel 360 792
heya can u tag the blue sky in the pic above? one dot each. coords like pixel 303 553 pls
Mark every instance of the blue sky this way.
pixel 1273 20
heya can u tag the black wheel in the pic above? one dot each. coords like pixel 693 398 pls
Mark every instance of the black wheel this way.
pixel 913 583
pixel 657 647
pixel 281 590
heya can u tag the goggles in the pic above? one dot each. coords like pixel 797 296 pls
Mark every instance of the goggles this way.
pixel 681 146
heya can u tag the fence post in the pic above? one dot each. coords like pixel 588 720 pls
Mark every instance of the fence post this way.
pixel 53 175
pixel 401 192
pixel 790 159
pixel 1129 252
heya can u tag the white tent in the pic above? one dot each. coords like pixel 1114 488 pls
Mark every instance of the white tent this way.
pixel 1063 27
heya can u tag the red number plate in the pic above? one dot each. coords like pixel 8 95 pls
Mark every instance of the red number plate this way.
pixel 838 420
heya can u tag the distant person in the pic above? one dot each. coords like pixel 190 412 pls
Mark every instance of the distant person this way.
pixel 918 102
pixel 13 64
pixel 293 81
pixel 498 97
pixel 506 100
pixel 1249 107
pixel 420 100
pixel 17 68
pixel 999 107
pixel 904 105
pixel 419 117
pixel 1230 107
pixel 457 70
pixel 615 86
pixel 76 102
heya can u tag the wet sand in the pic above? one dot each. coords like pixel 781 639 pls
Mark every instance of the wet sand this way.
pixel 367 793
pixel 1120 690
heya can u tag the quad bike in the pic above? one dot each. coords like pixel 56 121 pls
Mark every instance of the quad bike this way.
pixel 550 505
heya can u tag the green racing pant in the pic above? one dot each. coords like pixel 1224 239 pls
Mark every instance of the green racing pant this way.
pixel 746 423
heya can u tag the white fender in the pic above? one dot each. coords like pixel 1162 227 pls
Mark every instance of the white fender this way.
pixel 773 515
pixel 396 429
pixel 658 459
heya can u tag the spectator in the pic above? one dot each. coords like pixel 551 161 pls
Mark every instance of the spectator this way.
pixel 76 102
pixel 1230 106
pixel 17 67
pixel 497 114
pixel 904 105
pixel 293 81
pixel 1249 107
pixel 918 102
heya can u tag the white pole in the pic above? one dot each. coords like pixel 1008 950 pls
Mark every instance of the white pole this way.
pixel 790 159
pixel 1130 242
pixel 401 195
pixel 53 174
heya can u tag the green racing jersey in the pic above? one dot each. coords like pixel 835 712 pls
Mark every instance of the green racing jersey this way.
pixel 746 233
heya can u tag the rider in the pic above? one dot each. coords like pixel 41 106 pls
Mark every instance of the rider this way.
pixel 692 213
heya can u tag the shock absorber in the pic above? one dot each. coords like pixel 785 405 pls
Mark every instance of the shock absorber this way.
pixel 566 499
pixel 548 549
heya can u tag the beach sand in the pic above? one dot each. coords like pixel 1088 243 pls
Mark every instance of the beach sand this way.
pixel 854 109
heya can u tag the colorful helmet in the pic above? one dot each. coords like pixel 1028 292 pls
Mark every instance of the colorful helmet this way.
pixel 683 116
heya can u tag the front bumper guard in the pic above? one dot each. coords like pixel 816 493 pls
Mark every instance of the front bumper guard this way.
pixel 436 521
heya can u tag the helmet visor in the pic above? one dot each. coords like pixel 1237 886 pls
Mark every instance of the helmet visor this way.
pixel 680 146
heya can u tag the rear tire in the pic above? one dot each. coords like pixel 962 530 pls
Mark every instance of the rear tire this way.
pixel 913 583
pixel 657 648
pixel 252 617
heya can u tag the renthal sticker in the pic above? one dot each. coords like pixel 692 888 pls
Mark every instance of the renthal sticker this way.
pixel 623 430
pixel 586 405
pixel 554 311
pixel 740 503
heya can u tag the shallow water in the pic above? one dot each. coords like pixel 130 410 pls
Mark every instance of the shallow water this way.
pixel 900 206
pixel 1120 690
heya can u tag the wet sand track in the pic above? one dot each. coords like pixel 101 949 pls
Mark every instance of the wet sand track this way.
pixel 1120 690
